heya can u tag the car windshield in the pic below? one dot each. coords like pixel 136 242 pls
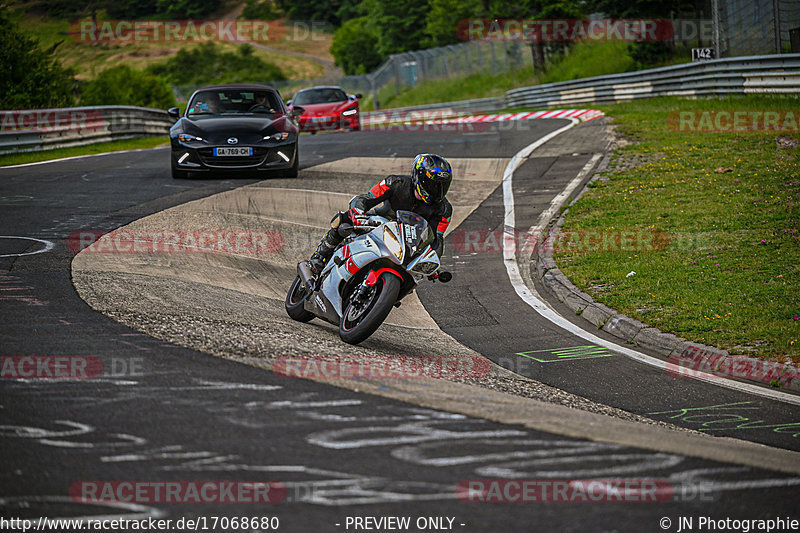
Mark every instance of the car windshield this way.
pixel 416 230
pixel 319 96
pixel 234 102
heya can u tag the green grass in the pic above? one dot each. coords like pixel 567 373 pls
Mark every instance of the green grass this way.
pixel 97 148
pixel 583 60
pixel 730 273
pixel 89 59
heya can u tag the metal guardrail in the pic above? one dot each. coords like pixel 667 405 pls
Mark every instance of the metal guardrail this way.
pixel 773 74
pixel 45 129
pixel 741 75
pixel 423 112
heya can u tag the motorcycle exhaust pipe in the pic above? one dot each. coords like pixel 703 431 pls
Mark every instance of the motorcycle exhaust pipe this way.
pixel 304 271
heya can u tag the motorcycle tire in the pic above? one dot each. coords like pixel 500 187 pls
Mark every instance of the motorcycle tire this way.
pixel 294 302
pixel 387 288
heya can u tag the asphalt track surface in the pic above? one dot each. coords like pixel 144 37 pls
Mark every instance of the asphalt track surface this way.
pixel 190 416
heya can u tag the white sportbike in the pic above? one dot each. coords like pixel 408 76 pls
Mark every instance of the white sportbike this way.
pixel 374 268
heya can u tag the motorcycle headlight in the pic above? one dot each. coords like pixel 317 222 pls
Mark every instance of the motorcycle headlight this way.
pixel 282 136
pixel 392 243
pixel 185 138
pixel 349 112
pixel 426 263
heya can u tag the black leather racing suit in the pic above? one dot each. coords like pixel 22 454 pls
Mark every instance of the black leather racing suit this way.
pixel 396 193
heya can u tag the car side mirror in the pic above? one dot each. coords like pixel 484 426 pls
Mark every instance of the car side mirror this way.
pixel 174 112
pixel 289 102
pixel 297 111
pixel 359 96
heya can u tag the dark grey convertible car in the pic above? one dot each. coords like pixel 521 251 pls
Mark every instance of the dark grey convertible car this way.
pixel 235 129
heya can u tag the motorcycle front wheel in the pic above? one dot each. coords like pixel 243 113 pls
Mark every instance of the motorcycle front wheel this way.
pixel 361 319
pixel 294 301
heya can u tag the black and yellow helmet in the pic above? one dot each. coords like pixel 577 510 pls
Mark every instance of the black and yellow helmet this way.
pixel 432 177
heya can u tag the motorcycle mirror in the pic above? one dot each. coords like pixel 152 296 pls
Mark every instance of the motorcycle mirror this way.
pixel 444 277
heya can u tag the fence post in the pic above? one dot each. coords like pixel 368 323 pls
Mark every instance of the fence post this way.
pixel 374 90
pixel 715 26
pixel 396 65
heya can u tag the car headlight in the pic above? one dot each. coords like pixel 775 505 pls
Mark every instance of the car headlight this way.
pixel 392 243
pixel 282 136
pixel 349 112
pixel 185 138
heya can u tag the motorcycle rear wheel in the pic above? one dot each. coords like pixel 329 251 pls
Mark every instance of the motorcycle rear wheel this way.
pixel 376 309
pixel 294 302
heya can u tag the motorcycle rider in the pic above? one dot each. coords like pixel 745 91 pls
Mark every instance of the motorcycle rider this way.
pixel 422 192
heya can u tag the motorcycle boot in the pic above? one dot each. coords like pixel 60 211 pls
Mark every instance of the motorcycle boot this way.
pixel 324 251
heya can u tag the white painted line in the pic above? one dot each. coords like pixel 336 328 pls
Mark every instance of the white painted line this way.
pixel 530 296
pixel 82 157
pixel 47 246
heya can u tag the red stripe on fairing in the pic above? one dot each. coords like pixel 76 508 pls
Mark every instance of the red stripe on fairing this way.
pixel 442 227
pixel 351 266
pixel 379 189
pixel 381 271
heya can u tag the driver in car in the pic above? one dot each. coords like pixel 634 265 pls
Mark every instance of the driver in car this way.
pixel 422 192
pixel 207 102
pixel 261 102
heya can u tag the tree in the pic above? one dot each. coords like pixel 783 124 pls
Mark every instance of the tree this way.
pixel 643 8
pixel 123 85
pixel 131 9
pixel 334 12
pixel 206 64
pixel 400 26
pixel 354 47
pixel 443 18
pixel 32 78
pixel 260 10
pixel 186 9
pixel 559 9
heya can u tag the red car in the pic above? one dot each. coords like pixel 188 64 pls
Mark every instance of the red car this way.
pixel 327 108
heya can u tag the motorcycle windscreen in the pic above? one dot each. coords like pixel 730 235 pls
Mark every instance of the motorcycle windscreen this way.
pixel 416 231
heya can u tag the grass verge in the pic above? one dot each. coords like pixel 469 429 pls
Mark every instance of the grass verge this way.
pixel 89 149
pixel 727 202
pixel 584 60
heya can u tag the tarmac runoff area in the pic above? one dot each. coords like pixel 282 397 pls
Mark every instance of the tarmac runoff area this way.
pixel 231 305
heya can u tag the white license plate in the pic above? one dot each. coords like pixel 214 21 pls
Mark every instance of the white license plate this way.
pixel 233 151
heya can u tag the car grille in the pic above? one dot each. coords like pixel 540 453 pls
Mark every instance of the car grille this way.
pixel 207 157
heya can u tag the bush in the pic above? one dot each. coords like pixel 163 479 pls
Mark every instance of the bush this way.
pixel 186 9
pixel 123 85
pixel 132 9
pixel 648 54
pixel 260 10
pixel 207 64
pixel 354 45
pixel 32 78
